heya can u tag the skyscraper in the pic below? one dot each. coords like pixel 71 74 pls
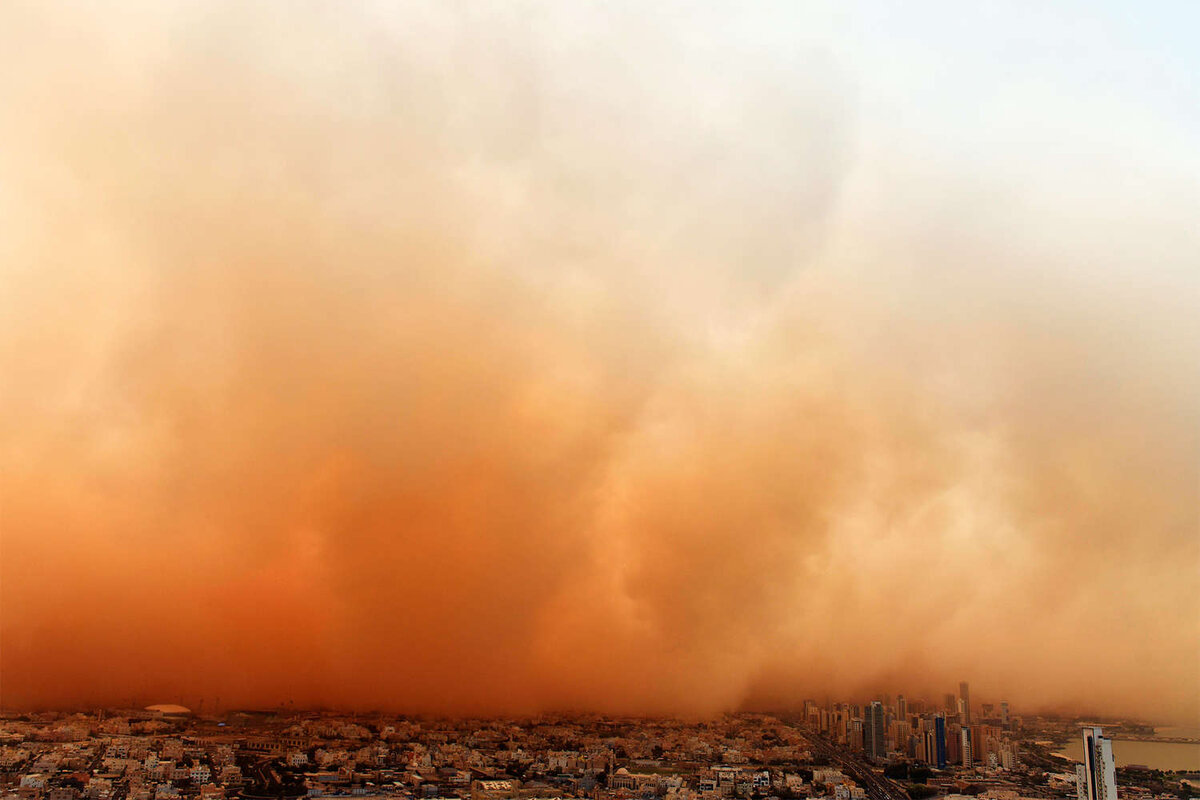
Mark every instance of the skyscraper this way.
pixel 1097 780
pixel 939 733
pixel 901 707
pixel 964 694
pixel 873 731
pixel 953 743
pixel 968 756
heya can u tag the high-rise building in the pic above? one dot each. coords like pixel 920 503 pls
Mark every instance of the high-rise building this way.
pixel 903 737
pixel 873 731
pixel 939 735
pixel 901 707
pixel 856 735
pixel 1097 780
pixel 968 757
pixel 964 694
pixel 1081 788
pixel 953 739
pixel 1004 720
pixel 1008 754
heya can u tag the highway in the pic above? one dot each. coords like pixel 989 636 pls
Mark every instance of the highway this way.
pixel 876 786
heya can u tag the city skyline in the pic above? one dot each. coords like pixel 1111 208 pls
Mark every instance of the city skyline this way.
pixel 898 704
pixel 630 358
pixel 835 751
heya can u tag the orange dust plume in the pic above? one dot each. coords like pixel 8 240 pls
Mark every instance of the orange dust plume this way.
pixel 567 357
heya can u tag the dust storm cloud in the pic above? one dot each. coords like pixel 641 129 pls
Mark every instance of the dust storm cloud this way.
pixel 566 358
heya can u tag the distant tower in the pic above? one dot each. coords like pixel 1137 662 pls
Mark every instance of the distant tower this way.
pixel 939 733
pixel 901 708
pixel 1097 780
pixel 873 731
pixel 964 693
pixel 1004 718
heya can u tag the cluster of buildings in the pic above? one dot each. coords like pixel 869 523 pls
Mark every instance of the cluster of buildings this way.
pixel 153 755
pixel 836 751
pixel 953 734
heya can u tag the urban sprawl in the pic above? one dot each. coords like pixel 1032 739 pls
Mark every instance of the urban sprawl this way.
pixel 890 749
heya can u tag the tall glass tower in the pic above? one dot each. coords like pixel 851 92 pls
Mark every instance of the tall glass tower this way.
pixel 939 732
pixel 873 732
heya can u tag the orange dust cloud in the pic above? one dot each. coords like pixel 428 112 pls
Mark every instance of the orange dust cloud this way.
pixel 474 361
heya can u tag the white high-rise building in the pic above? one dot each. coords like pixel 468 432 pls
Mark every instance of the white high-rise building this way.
pixel 1096 778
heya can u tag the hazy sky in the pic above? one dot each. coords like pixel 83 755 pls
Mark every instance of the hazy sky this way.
pixel 504 357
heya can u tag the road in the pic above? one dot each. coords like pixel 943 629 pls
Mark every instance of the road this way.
pixel 876 786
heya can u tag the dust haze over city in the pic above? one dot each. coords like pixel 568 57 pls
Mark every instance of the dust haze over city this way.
pixel 630 358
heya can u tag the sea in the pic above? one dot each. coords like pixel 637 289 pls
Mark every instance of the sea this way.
pixel 1156 755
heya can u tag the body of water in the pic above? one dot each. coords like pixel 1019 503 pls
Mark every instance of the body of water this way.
pixel 1156 755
